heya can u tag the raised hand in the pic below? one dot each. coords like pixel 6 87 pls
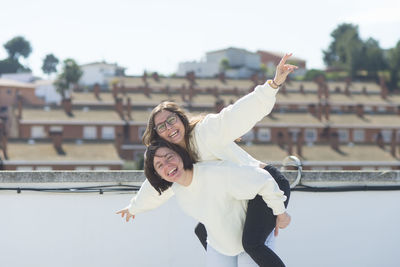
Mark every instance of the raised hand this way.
pixel 283 70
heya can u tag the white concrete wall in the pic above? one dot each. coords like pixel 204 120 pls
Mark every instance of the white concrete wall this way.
pixel 46 90
pixel 97 73
pixel 201 69
pixel 81 230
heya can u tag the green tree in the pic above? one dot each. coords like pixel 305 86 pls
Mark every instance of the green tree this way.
pixel 50 63
pixel 264 69
pixel 313 73
pixel 15 48
pixel 373 59
pixel 70 75
pixel 18 47
pixel 345 50
pixel 224 64
pixel 10 65
pixel 394 66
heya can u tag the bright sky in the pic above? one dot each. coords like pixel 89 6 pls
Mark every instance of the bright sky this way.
pixel 155 35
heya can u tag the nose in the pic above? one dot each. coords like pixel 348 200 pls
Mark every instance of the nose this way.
pixel 168 126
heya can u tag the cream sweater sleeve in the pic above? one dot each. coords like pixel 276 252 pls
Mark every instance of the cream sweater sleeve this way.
pixel 237 119
pixel 257 182
pixel 148 198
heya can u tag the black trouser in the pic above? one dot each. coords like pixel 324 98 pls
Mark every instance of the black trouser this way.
pixel 260 222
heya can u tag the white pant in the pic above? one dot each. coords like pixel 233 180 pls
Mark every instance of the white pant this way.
pixel 216 259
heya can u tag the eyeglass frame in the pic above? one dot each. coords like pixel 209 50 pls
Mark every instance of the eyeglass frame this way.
pixel 165 122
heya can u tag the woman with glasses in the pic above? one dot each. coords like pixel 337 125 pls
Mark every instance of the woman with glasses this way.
pixel 212 138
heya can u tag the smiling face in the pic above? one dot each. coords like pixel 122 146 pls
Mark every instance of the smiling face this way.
pixel 169 165
pixel 172 130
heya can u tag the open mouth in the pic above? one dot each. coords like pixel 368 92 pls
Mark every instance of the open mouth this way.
pixel 173 134
pixel 172 172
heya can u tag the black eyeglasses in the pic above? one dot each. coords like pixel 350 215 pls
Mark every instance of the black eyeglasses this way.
pixel 162 126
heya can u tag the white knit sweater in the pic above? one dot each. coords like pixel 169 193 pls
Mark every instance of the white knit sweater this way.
pixel 217 197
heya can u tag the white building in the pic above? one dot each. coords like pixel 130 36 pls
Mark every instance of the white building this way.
pixel 99 72
pixel 241 64
pixel 25 77
pixel 201 69
pixel 46 90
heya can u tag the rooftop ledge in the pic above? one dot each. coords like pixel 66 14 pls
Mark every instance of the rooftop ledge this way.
pixel 308 178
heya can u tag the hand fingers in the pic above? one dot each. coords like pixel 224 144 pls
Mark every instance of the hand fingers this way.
pixel 276 232
pixel 289 68
pixel 292 66
pixel 284 58
pixel 122 212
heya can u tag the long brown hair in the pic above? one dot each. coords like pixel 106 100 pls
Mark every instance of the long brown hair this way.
pixel 151 134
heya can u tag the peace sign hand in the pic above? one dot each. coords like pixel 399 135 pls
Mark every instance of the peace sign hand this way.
pixel 283 70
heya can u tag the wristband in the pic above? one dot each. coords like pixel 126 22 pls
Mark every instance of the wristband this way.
pixel 273 84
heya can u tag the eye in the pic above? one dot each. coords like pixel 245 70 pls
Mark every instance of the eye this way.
pixel 169 157
pixel 171 120
pixel 160 127
pixel 159 166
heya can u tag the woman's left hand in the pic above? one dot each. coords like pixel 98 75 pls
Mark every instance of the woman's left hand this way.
pixel 282 221
pixel 283 70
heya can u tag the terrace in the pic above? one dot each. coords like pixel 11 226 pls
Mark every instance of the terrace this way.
pixel 62 218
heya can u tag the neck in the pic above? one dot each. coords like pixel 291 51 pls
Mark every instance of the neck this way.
pixel 187 178
pixel 182 144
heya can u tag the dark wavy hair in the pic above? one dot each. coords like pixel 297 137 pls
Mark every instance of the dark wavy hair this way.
pixel 155 180
pixel 150 134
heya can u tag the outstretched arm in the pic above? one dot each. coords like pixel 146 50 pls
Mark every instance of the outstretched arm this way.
pixel 237 119
pixel 146 199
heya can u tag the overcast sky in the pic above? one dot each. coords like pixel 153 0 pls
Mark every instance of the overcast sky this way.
pixel 155 35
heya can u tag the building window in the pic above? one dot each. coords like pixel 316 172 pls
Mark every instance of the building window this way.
pixel 38 132
pixel 101 168
pixel 359 135
pixel 316 168
pixel 335 168
pixel 368 109
pixel 90 132
pixel 24 168
pixel 310 135
pixel 343 135
pixel 368 168
pixel 335 109
pixel 56 128
pixel 44 168
pixel 294 134
pixel 381 109
pixel 83 168
pixel 141 131
pixel 283 108
pixel 264 134
pixel 384 168
pixel 107 132
pixel 387 135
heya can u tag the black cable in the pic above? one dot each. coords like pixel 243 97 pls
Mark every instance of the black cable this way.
pixel 304 188
pixel 87 189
